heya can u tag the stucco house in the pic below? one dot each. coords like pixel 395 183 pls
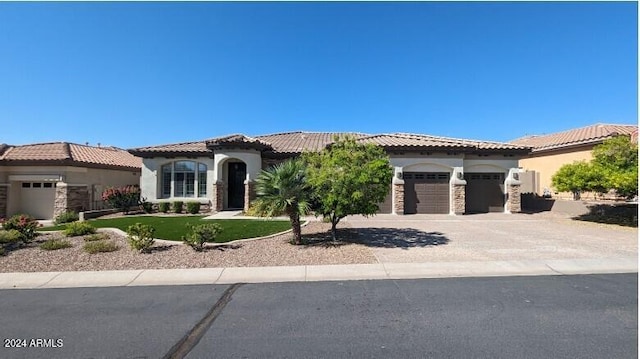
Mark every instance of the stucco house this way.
pixel 549 152
pixel 431 174
pixel 46 179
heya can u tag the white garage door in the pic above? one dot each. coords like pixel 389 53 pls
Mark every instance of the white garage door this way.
pixel 37 199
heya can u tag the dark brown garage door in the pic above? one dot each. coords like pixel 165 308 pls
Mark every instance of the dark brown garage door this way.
pixel 484 192
pixel 385 206
pixel 426 192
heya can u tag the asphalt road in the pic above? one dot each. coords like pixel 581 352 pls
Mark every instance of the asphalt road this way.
pixel 582 316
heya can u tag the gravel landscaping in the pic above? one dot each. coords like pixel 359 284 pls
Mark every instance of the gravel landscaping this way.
pixel 274 251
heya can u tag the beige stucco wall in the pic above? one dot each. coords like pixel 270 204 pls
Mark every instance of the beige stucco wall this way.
pixel 150 181
pixel 95 179
pixel 547 164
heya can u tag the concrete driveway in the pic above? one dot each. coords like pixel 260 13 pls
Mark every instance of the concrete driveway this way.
pixel 491 237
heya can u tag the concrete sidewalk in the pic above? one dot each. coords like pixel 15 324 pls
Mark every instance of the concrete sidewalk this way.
pixel 316 273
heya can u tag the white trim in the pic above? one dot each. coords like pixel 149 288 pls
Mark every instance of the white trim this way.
pixel 37 178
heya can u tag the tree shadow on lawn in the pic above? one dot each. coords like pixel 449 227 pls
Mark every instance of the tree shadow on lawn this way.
pixel 403 238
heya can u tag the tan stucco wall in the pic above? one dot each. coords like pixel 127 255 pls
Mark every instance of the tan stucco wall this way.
pixel 95 179
pixel 547 164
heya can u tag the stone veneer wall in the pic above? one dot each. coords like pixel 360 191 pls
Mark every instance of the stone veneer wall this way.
pixel 398 195
pixel 249 194
pixel 70 198
pixel 459 198
pixel 514 204
pixel 4 199
pixel 218 196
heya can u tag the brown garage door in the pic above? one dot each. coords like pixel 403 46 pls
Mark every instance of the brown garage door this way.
pixel 426 192
pixel 484 192
pixel 385 206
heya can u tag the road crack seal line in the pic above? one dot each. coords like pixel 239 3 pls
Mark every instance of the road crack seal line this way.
pixel 182 348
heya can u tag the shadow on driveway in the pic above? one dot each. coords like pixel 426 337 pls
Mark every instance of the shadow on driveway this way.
pixel 403 238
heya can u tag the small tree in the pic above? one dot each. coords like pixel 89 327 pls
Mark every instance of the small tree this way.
pixel 575 177
pixel 283 189
pixel 348 178
pixel 614 166
pixel 617 161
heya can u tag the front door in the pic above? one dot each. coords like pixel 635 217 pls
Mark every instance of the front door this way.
pixel 237 175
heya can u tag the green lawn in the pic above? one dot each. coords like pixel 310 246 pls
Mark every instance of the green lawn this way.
pixel 173 228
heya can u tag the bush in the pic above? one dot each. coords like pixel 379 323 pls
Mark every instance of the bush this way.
pixel 254 211
pixel 100 247
pixel 9 239
pixel 177 206
pixel 74 229
pixel 202 234
pixel 95 237
pixel 66 217
pixel 55 243
pixel 140 237
pixel 10 236
pixel 147 207
pixel 24 224
pixel 193 207
pixel 122 198
pixel 163 207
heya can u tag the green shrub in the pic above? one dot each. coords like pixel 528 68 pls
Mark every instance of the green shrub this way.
pixel 254 211
pixel 10 236
pixel 163 207
pixel 147 207
pixel 100 247
pixel 177 206
pixel 202 234
pixel 24 224
pixel 74 229
pixel 55 243
pixel 140 237
pixel 193 207
pixel 66 217
pixel 95 237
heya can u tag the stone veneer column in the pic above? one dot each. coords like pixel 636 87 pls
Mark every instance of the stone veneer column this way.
pixel 514 203
pixel 70 198
pixel 218 196
pixel 398 196
pixel 249 193
pixel 459 198
pixel 4 199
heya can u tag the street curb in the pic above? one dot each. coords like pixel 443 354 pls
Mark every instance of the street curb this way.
pixel 312 273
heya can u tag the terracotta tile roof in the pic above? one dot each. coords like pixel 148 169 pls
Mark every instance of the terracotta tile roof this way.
pixel 183 147
pixel 236 140
pixel 584 135
pixel 409 140
pixel 70 153
pixel 300 141
pixel 111 156
pixel 297 142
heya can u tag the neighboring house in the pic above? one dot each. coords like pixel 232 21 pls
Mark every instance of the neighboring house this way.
pixel 46 179
pixel 549 152
pixel 431 174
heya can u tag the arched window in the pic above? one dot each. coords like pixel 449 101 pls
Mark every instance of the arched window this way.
pixel 183 179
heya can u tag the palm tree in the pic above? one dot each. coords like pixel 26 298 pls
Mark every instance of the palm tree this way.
pixel 282 189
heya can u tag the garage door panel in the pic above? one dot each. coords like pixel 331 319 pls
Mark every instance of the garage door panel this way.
pixel 484 192
pixel 426 192
pixel 37 199
pixel 385 206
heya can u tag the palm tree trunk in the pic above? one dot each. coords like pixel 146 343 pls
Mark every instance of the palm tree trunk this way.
pixel 295 226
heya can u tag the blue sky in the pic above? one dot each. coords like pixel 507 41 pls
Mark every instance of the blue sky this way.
pixel 138 74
